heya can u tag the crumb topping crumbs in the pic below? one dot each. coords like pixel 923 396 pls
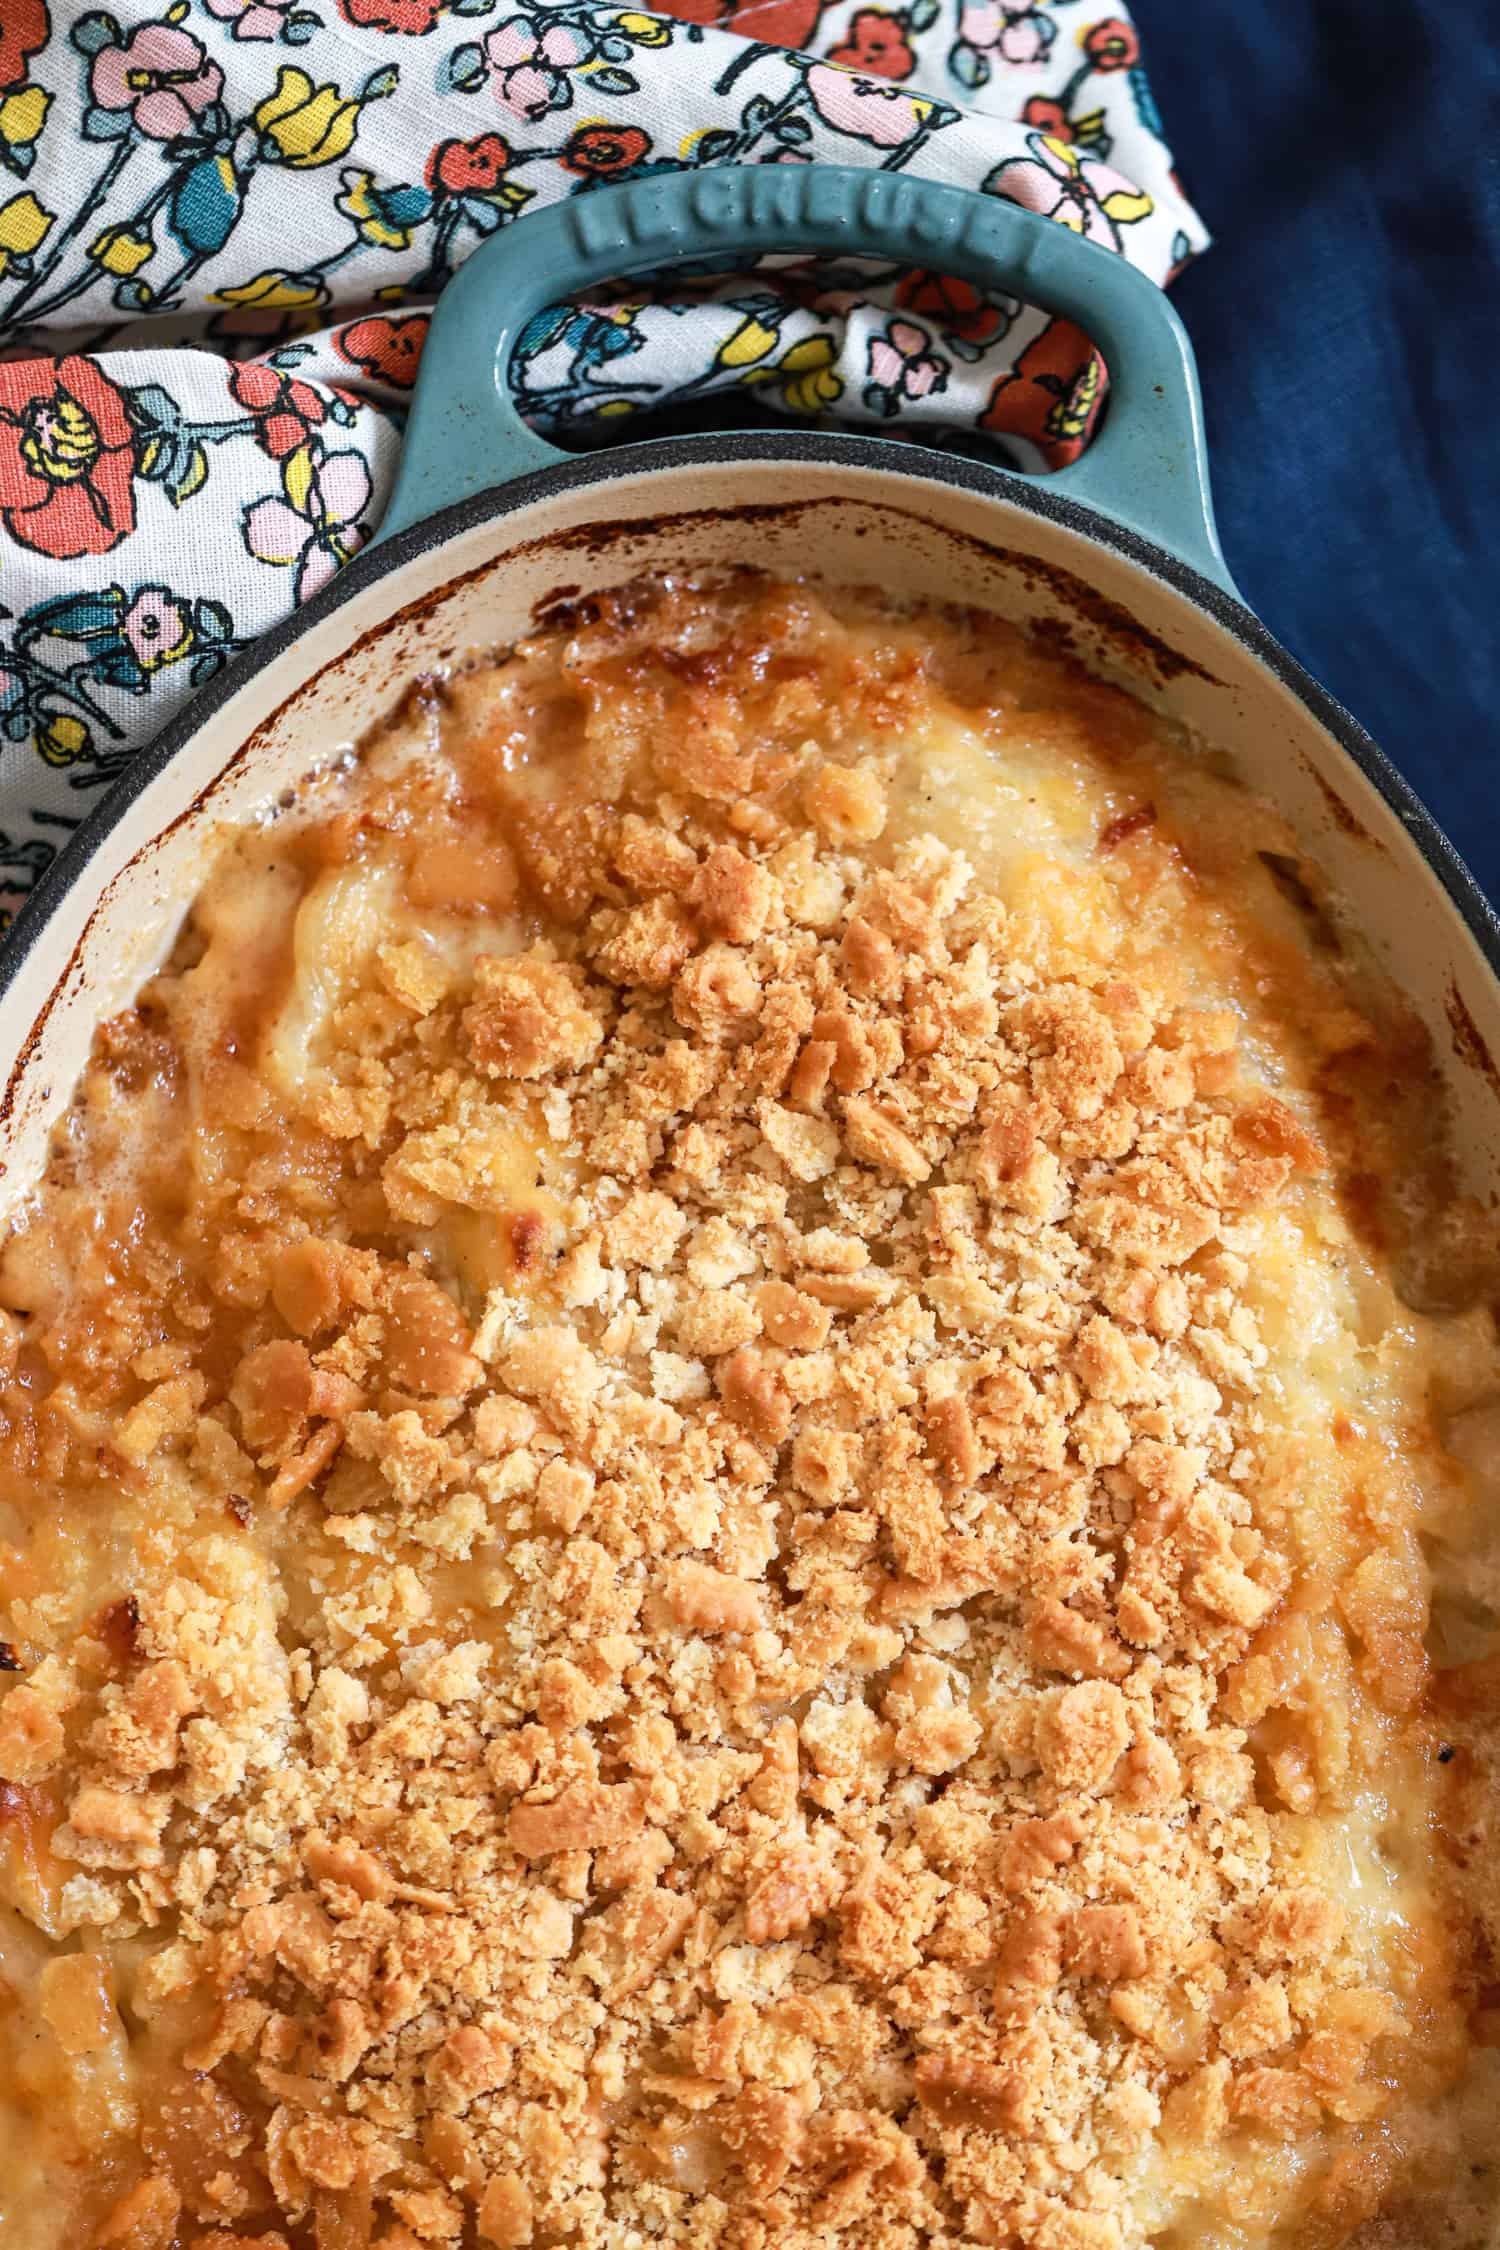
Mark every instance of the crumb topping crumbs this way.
pixel 728 1653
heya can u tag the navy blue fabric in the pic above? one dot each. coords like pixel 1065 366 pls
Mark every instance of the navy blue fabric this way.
pixel 1346 154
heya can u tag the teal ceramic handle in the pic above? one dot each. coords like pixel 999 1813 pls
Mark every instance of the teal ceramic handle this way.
pixel 1146 470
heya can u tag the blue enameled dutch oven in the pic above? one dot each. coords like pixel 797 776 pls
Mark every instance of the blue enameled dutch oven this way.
pixel 489 525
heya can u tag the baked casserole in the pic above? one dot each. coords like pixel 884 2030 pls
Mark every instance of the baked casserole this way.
pixel 746 1472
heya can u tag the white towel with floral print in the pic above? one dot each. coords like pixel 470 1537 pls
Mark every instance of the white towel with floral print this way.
pixel 220 222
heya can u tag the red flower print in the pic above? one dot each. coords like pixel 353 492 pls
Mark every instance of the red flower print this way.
pixel 287 412
pixel 779 23
pixel 1112 45
pixel 1052 395
pixel 1047 116
pixel 876 44
pixel 956 307
pixel 386 348
pixel 66 459
pixel 411 16
pixel 23 30
pixel 467 167
pixel 603 150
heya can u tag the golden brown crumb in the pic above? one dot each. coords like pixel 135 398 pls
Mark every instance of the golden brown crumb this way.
pixel 144 2218
pixel 527 1019
pixel 672 1604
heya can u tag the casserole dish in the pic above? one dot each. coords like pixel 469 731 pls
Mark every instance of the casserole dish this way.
pixel 972 1310
pixel 1116 555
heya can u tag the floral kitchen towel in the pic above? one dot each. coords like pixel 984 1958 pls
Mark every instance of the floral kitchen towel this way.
pixel 221 221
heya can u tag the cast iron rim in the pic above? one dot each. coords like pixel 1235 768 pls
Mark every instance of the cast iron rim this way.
pixel 836 449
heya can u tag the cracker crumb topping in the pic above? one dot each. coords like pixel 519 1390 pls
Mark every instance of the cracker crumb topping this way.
pixel 729 1650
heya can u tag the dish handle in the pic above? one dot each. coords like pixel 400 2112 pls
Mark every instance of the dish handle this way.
pixel 1146 469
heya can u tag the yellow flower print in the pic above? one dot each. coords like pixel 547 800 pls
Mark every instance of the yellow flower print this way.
pixel 1070 418
pixel 297 475
pixel 1126 205
pixel 22 115
pixel 308 125
pixel 272 292
pixel 62 739
pixel 24 226
pixel 646 31
pixel 805 373
pixel 122 250
pixel 751 341
pixel 378 215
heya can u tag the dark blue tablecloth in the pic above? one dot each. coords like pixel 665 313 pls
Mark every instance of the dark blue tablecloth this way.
pixel 1346 154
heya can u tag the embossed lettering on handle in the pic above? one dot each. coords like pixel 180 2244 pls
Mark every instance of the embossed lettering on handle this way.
pixel 1145 470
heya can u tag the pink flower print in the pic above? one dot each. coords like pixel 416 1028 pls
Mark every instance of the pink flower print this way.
pixel 531 69
pixel 161 76
pixel 1078 191
pixel 250 19
pixel 315 527
pixel 901 364
pixel 867 109
pixel 1013 29
pixel 156 628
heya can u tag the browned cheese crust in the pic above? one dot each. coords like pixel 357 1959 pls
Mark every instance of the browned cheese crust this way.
pixel 713 1499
